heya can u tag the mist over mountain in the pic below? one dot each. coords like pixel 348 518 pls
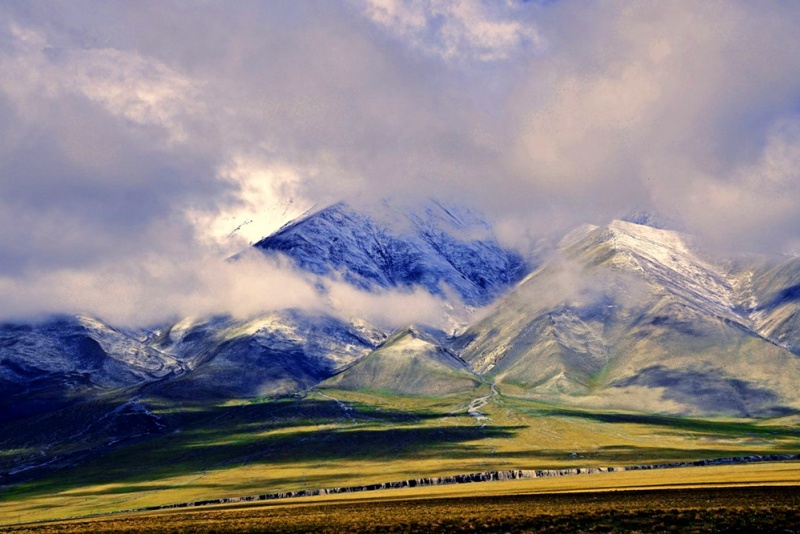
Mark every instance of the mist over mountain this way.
pixel 626 316
pixel 446 253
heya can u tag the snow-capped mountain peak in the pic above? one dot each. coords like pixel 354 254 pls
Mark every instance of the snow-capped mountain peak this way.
pixel 434 246
pixel 663 257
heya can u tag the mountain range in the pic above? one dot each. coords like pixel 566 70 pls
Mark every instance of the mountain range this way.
pixel 446 251
pixel 624 316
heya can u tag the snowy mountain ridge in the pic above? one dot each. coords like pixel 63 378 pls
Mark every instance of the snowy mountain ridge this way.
pixel 665 257
pixel 639 321
pixel 611 302
pixel 435 247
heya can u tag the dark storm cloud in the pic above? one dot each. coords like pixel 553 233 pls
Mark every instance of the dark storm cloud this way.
pixel 135 136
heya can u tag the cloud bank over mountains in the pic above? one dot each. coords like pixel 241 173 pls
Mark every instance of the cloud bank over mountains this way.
pixel 136 138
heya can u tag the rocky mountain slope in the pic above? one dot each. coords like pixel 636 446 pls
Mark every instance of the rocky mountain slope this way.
pixel 438 247
pixel 48 364
pixel 627 316
pixel 277 354
pixel 768 293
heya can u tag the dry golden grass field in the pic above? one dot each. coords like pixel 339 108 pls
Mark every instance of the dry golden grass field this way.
pixel 731 509
pixel 738 498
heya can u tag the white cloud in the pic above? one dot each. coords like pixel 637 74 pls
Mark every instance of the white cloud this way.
pixel 265 196
pixel 147 133
pixel 571 141
pixel 757 203
pixel 128 85
pixel 158 289
pixel 454 29
pixel 134 87
pixel 393 308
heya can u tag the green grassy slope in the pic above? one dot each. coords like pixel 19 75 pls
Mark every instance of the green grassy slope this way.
pixel 407 364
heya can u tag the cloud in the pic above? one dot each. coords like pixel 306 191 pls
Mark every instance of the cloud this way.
pixel 155 290
pixel 757 203
pixel 264 196
pixel 145 135
pixel 395 308
pixel 95 154
pixel 455 30
pixel 132 87
pixel 650 103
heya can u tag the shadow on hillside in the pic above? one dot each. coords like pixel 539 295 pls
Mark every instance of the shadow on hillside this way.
pixel 708 392
pixel 702 426
pixel 283 413
pixel 197 439
pixel 785 296
pixel 619 455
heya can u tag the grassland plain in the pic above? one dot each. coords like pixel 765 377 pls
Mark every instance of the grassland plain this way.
pixel 732 509
pixel 343 438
